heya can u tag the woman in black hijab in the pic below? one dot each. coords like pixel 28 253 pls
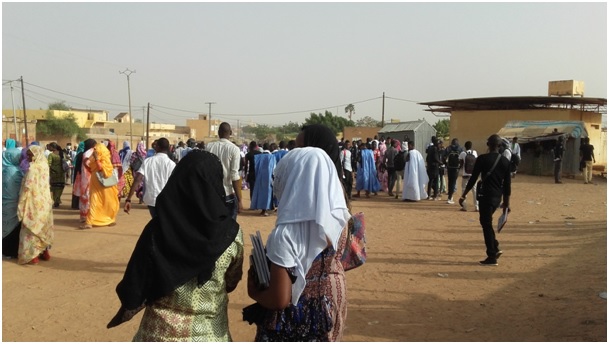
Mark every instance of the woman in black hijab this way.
pixel 186 260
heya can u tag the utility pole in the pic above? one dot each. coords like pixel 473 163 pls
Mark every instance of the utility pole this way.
pixel 143 122
pixel 209 116
pixel 383 113
pixel 27 140
pixel 14 115
pixel 147 125
pixel 128 72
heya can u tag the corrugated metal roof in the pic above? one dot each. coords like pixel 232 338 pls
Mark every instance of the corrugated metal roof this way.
pixel 402 126
pixel 516 103
pixel 527 131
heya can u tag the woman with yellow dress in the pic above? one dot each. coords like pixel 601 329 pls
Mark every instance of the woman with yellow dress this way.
pixel 103 201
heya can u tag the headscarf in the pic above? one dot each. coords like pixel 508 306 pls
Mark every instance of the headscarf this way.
pixel 125 155
pixel 103 162
pixel 11 185
pixel 190 232
pixel 10 143
pixel 319 135
pixel 114 158
pixel 82 148
pixel 35 202
pixel 140 150
pixel 25 163
pixel 312 210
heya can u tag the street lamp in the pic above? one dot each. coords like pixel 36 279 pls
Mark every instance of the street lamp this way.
pixel 128 72
pixel 209 116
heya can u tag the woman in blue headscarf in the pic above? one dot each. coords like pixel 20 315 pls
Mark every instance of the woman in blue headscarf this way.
pixel 11 183
pixel 10 143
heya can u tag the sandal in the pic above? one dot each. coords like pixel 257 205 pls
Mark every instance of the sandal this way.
pixel 85 226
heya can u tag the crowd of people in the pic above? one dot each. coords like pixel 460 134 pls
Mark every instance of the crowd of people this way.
pixel 190 255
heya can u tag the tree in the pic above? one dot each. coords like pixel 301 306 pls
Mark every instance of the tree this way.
pixel 59 106
pixel 335 123
pixel 350 109
pixel 368 121
pixel 442 128
pixel 60 127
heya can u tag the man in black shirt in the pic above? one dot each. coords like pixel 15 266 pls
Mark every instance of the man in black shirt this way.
pixel 586 153
pixel 495 185
pixel 433 168
pixel 559 150
pixel 250 166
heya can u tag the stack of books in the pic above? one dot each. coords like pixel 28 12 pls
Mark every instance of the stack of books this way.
pixel 259 261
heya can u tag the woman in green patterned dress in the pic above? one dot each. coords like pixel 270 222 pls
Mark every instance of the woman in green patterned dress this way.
pixel 186 261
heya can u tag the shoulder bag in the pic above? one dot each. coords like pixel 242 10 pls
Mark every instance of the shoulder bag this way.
pixel 355 251
pixel 107 182
pixel 480 184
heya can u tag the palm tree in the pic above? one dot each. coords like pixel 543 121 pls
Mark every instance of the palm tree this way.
pixel 350 109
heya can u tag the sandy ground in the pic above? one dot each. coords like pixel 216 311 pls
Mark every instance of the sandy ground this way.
pixel 422 281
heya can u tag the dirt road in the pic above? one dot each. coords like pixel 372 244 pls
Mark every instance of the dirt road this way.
pixel 422 281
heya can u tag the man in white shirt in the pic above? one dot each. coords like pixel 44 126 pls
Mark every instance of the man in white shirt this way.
pixel 467 159
pixel 155 171
pixel 229 156
pixel 515 155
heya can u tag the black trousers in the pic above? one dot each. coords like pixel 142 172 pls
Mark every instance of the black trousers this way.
pixel 453 173
pixel 348 181
pixel 557 170
pixel 392 176
pixel 434 175
pixel 486 221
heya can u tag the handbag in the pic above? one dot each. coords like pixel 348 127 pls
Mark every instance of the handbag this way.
pixel 107 182
pixel 355 251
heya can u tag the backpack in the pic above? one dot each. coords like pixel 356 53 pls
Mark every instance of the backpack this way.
pixel 399 161
pixel 452 160
pixel 468 162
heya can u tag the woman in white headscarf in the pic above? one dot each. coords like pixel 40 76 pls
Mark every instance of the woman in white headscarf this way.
pixel 305 300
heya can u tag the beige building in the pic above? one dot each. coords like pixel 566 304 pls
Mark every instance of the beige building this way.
pixel 477 118
pixel 202 130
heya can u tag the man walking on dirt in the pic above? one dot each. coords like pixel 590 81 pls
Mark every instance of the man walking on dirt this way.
pixel 494 169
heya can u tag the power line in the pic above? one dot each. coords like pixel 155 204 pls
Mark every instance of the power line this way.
pixel 70 95
pixel 404 100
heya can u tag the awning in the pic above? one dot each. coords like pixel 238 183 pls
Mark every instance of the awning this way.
pixel 529 131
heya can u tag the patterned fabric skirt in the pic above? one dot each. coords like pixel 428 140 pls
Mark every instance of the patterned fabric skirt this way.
pixel 321 311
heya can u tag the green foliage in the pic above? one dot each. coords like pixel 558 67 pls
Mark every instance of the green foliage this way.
pixel 368 121
pixel 350 109
pixel 60 127
pixel 335 123
pixel 59 106
pixel 442 128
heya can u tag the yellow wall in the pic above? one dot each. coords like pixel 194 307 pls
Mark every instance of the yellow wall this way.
pixel 477 126
pixel 84 119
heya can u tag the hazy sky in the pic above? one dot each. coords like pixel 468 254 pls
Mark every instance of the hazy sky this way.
pixel 272 63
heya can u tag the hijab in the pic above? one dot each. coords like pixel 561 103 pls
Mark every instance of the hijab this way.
pixel 312 211
pixel 319 135
pixel 25 163
pixel 11 184
pixel 190 232
pixel 125 155
pixel 35 202
pixel 114 157
pixel 10 143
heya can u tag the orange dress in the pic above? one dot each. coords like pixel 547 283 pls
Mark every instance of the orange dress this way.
pixel 103 201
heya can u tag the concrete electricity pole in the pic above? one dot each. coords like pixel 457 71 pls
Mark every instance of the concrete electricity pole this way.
pixel 128 72
pixel 209 116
